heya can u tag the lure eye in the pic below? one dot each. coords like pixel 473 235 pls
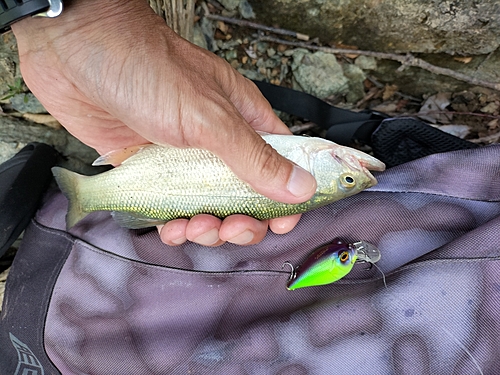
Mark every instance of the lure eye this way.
pixel 347 180
pixel 344 256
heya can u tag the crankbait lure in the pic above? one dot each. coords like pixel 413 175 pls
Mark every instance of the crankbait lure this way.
pixel 330 263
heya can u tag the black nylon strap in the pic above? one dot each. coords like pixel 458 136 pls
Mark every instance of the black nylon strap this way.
pixel 342 125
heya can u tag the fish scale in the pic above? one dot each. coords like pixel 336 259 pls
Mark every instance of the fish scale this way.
pixel 159 183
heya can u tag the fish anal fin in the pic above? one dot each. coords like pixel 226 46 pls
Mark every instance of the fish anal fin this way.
pixel 117 157
pixel 134 220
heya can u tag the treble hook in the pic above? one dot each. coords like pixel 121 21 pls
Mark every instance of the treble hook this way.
pixel 292 273
pixel 369 253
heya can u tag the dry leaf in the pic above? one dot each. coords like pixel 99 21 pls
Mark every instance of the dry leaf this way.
pixel 222 27
pixel 3 277
pixel 4 274
pixel 386 107
pixel 251 53
pixel 490 108
pixel 351 55
pixel 464 60
pixel 47 120
pixel 282 48
pixel 460 131
pixel 434 109
pixel 345 46
pixel 493 124
pixel 389 91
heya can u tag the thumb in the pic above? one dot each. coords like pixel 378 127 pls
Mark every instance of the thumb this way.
pixel 266 171
pixel 248 155
pixel 261 166
pixel 272 175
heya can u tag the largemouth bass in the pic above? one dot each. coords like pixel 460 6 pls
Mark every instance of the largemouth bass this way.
pixel 161 183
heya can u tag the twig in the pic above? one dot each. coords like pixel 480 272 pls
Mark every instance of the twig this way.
pixel 493 138
pixel 216 4
pixel 257 26
pixel 405 60
pixel 302 127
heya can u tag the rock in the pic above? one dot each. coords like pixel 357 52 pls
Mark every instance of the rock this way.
pixel 416 81
pixel 27 103
pixel 243 6
pixel 356 79
pixel 262 47
pixel 271 52
pixel 318 73
pixel 9 63
pixel 205 30
pixel 16 133
pixel 230 4
pixel 366 62
pixel 246 10
pixel 198 37
pixel 231 55
pixel 440 28
pixel 427 26
pixel 252 74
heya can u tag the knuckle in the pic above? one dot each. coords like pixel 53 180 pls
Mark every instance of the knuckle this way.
pixel 269 162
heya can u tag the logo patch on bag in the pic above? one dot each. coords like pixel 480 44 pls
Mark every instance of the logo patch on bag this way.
pixel 28 363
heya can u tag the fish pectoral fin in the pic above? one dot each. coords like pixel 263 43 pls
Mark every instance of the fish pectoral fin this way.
pixel 117 157
pixel 134 220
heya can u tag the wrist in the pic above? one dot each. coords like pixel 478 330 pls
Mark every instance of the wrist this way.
pixel 82 15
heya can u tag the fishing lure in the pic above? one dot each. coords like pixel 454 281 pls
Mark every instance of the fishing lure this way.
pixel 330 263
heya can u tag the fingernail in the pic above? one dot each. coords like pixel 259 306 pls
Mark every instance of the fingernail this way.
pixel 209 238
pixel 179 241
pixel 301 182
pixel 242 238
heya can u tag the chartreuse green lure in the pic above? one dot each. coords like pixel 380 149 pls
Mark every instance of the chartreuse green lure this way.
pixel 330 263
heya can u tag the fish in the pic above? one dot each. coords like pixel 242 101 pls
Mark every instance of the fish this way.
pixel 156 184
pixel 325 265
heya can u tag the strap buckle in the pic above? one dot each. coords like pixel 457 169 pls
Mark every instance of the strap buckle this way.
pixel 55 9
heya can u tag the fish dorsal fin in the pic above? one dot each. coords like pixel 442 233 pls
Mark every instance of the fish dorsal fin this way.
pixel 117 157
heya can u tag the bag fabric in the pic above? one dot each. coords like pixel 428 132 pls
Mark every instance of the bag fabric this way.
pixel 101 299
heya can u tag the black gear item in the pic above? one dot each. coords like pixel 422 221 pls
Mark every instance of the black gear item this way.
pixel 400 140
pixel 394 140
pixel 23 180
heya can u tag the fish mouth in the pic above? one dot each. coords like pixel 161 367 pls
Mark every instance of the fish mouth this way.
pixel 361 161
pixel 369 163
pixel 358 158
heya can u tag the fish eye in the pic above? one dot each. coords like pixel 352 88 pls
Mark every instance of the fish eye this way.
pixel 347 180
pixel 344 256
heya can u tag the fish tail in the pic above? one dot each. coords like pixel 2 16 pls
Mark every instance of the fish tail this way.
pixel 69 182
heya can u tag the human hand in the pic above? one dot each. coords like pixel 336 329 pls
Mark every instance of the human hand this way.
pixel 119 76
